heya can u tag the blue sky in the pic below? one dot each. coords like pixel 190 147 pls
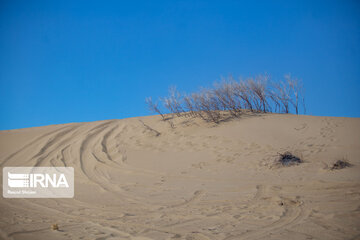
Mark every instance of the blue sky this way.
pixel 76 61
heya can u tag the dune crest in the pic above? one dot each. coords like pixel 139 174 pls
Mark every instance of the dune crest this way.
pixel 194 180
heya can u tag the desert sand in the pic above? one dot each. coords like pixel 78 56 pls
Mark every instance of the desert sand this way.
pixel 195 181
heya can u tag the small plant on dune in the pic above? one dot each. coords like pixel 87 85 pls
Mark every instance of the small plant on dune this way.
pixel 275 99
pixel 288 159
pixel 208 104
pixel 258 91
pixel 297 90
pixel 55 227
pixel 340 164
pixel 225 92
pixel 257 95
pixel 243 92
pixel 153 107
pixel 282 93
pixel 174 102
pixel 189 106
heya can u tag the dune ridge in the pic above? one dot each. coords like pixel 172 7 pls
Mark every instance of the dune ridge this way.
pixel 195 180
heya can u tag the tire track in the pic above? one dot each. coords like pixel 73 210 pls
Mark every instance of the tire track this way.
pixel 53 144
pixel 30 144
pixel 293 214
pixel 196 196
pixel 104 142
pixel 85 165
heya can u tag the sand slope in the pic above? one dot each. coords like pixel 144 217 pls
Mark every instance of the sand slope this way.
pixel 194 181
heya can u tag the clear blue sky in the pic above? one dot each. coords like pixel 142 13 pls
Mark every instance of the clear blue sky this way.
pixel 75 61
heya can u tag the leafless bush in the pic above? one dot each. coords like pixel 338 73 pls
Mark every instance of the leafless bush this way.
pixel 282 93
pixel 209 105
pixel 297 91
pixel 243 91
pixel 340 164
pixel 225 93
pixel 288 159
pixel 258 91
pixel 173 102
pixel 153 107
pixel 274 98
pixel 189 105
pixel 254 94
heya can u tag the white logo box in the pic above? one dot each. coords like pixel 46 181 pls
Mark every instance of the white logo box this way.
pixel 38 182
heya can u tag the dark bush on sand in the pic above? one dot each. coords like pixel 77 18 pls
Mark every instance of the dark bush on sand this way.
pixel 288 159
pixel 340 164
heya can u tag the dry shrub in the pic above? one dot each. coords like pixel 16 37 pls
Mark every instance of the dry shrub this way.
pixel 288 159
pixel 340 164
pixel 55 227
pixel 257 94
pixel 153 107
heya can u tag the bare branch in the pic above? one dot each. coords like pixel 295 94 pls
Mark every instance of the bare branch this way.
pixel 153 107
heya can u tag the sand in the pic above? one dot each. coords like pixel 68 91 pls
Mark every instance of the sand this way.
pixel 194 181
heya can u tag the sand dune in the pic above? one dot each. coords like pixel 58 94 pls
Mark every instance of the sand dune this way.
pixel 194 181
